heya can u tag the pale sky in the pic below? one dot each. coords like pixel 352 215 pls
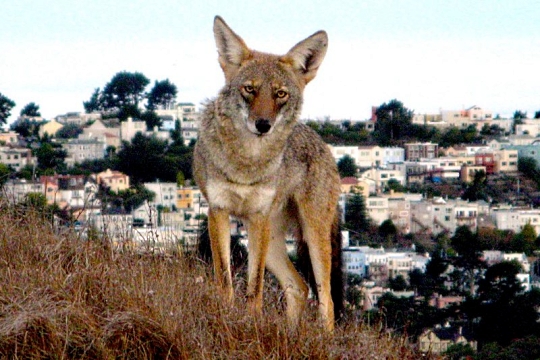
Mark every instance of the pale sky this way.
pixel 431 54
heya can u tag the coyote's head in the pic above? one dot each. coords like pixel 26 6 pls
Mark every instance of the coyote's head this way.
pixel 266 89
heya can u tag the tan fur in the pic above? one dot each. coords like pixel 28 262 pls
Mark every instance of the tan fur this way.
pixel 255 161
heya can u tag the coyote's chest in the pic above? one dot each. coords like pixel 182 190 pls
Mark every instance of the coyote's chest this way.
pixel 240 199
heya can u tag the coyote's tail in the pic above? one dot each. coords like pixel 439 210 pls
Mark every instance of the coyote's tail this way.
pixel 336 274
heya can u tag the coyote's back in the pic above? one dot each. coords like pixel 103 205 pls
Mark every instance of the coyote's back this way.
pixel 254 160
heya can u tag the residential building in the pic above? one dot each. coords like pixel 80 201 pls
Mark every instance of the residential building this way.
pixel 79 150
pixel 73 192
pixel 372 294
pixel 486 159
pixel 113 180
pixel 109 135
pixel 370 156
pixel 468 172
pixel 381 176
pixel 130 127
pixel 188 197
pixel 532 150
pixel 78 118
pixel 188 116
pixel 16 191
pixel 474 115
pixel 439 339
pixel 506 160
pixel 399 264
pixel 117 228
pixel 392 155
pixel 517 140
pixel 50 128
pixel 165 194
pixel 438 215
pixel 528 127
pixel 515 219
pixel 443 302
pixel 417 151
pixel 9 138
pixel 399 211
pixel 338 152
pixel 16 158
pixel 377 209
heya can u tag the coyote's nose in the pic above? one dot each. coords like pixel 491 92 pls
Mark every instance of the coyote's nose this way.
pixel 263 125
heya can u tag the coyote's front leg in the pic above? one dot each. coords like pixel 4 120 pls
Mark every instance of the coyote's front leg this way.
pixel 258 240
pixel 220 242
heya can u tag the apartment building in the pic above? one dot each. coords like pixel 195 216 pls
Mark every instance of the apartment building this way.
pixel 17 158
pixel 165 194
pixel 79 150
pixel 506 160
pixel 439 215
pixel 416 151
pixel 515 219
pixel 381 176
pixel 377 208
pixel 188 116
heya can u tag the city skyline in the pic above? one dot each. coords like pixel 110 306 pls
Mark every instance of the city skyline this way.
pixel 430 55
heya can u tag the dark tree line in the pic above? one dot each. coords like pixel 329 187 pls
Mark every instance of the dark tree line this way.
pixel 123 95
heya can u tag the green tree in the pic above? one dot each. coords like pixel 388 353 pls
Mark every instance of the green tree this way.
pixel 5 172
pixel 124 89
pixel 356 218
pixel 132 198
pixel 180 155
pixel 518 118
pixel 346 166
pixel 95 103
pixel 69 131
pixel 393 122
pixel 121 96
pixel 388 231
pixel 398 283
pixel 151 119
pixel 162 94
pixel 395 186
pixel 6 104
pixel 50 157
pixel 466 244
pixel 476 190
pixel 459 351
pixel 144 160
pixel 30 110
pixel 506 312
pixel 525 240
pixel 529 167
pixel 26 127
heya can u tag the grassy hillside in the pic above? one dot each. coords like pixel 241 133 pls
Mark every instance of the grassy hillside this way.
pixel 65 298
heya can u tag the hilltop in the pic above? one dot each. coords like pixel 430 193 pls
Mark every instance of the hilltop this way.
pixel 64 297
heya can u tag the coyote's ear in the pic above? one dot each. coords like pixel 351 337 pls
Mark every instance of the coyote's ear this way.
pixel 308 54
pixel 231 48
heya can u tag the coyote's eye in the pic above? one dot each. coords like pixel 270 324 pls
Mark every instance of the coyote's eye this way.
pixel 281 94
pixel 249 89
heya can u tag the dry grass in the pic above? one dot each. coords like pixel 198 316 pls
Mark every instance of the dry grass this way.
pixel 65 298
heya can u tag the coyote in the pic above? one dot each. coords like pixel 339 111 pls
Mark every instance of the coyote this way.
pixel 255 161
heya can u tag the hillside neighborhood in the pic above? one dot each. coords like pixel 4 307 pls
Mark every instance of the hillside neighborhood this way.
pixel 427 194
